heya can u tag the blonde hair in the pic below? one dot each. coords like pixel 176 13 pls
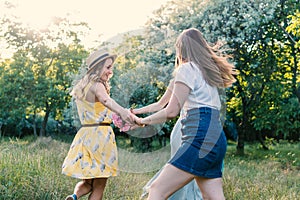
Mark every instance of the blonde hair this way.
pixel 77 91
pixel 192 47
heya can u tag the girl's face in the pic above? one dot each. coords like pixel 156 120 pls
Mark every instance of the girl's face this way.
pixel 107 71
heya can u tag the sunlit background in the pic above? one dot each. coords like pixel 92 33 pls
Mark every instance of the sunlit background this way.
pixel 106 18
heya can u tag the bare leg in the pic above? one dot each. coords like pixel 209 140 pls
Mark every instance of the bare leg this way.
pixel 98 189
pixel 169 181
pixel 211 188
pixel 83 187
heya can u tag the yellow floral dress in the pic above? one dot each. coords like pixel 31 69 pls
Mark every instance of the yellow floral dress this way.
pixel 93 152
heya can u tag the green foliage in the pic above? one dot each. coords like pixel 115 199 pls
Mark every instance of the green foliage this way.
pixel 263 37
pixel 36 78
pixel 254 32
pixel 139 80
pixel 294 28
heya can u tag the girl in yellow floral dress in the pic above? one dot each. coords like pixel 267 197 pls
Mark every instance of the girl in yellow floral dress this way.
pixel 93 153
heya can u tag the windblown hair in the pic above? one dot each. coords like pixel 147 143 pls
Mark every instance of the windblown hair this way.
pixel 192 47
pixel 79 84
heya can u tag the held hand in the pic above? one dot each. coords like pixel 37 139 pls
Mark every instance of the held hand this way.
pixel 138 122
pixel 133 117
pixel 133 111
pixel 129 121
pixel 127 116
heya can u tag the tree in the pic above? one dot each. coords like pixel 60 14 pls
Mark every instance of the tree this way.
pixel 138 82
pixel 254 30
pixel 254 33
pixel 292 29
pixel 38 70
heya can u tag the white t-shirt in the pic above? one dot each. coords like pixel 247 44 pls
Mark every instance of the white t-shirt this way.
pixel 201 94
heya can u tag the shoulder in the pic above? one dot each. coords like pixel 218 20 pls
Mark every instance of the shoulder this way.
pixel 186 65
pixel 190 74
pixel 188 68
pixel 185 74
pixel 97 87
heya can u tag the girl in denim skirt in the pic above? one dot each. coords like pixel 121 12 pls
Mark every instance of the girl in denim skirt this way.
pixel 199 72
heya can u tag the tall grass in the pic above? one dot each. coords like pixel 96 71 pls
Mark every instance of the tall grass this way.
pixel 263 175
pixel 31 169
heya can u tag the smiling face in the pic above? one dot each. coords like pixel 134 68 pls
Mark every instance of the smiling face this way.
pixel 107 70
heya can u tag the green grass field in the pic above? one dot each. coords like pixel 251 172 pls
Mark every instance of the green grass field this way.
pixel 31 169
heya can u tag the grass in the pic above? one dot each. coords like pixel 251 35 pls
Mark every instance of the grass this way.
pixel 261 174
pixel 31 169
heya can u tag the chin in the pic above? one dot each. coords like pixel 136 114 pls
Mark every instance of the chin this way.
pixel 104 79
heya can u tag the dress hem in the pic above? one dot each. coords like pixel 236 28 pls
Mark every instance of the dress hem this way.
pixel 91 177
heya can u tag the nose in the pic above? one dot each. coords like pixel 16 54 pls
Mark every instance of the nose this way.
pixel 110 73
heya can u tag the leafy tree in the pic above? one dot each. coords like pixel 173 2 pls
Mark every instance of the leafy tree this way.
pixel 137 83
pixel 293 32
pixel 38 71
pixel 256 34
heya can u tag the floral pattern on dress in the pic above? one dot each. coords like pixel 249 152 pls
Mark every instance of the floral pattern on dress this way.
pixel 93 152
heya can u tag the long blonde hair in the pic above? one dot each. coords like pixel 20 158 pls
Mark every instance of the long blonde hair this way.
pixel 93 75
pixel 192 47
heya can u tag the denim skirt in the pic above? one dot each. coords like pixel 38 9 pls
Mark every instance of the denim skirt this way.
pixel 204 144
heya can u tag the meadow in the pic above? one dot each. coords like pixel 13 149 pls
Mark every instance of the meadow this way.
pixel 31 169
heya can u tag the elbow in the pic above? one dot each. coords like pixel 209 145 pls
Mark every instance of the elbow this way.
pixel 172 114
pixel 106 102
pixel 160 105
pixel 172 111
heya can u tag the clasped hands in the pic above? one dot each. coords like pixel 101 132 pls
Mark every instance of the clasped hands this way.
pixel 128 121
pixel 136 121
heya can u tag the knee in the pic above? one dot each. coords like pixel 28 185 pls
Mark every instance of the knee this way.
pixel 88 185
pixel 99 183
pixel 153 186
pixel 155 192
pixel 215 196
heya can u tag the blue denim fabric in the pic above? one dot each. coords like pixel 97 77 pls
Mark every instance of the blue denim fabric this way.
pixel 203 144
pixel 191 190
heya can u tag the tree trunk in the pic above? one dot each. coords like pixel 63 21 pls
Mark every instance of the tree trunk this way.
pixel 34 125
pixel 44 124
pixel 242 133
pixel 0 129
pixel 262 142
pixel 241 141
pixel 296 90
